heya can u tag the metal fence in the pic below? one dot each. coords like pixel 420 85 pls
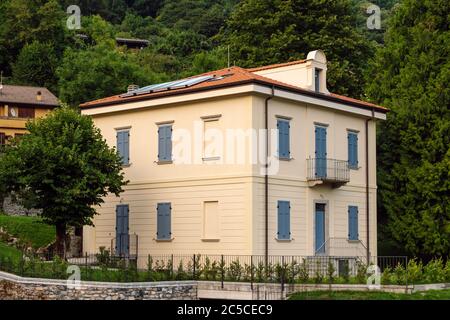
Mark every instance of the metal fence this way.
pixel 254 269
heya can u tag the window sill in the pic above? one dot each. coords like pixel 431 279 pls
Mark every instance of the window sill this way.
pixel 284 240
pixel 210 239
pixel 164 162
pixel 211 158
pixel 353 241
pixel 354 168
pixel 285 159
pixel 164 240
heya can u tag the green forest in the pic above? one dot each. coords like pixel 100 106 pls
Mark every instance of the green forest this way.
pixel 403 66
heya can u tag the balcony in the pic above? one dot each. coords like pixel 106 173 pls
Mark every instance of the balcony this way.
pixel 327 171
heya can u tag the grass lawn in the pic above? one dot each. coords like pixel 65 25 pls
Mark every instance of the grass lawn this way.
pixel 371 295
pixel 10 252
pixel 29 229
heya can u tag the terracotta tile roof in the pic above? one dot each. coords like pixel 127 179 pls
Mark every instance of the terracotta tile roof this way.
pixel 229 77
pixel 278 65
pixel 27 95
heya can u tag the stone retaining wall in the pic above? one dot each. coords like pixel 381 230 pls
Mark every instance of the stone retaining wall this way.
pixel 12 208
pixel 16 288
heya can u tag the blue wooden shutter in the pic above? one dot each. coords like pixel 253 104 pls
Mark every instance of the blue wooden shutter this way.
pixel 284 220
pixel 164 221
pixel 123 146
pixel 353 223
pixel 283 139
pixel 321 151
pixel 122 229
pixel 165 143
pixel 352 149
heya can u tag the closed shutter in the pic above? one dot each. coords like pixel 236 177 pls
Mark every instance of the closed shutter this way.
pixel 122 229
pixel 165 143
pixel 284 213
pixel 164 221
pixel 353 223
pixel 283 139
pixel 352 149
pixel 123 146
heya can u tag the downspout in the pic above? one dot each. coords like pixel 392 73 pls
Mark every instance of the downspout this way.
pixel 266 177
pixel 367 188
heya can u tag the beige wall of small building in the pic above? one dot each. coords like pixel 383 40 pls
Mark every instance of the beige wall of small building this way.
pixel 238 188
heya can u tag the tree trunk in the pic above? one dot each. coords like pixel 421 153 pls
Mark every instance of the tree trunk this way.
pixel 61 230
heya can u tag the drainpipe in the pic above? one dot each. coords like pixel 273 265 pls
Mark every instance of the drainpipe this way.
pixel 266 177
pixel 367 188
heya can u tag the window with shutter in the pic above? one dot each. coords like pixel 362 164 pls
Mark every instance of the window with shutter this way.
pixel 284 213
pixel 165 143
pixel 283 139
pixel 26 113
pixel 352 138
pixel 123 146
pixel 164 211
pixel 353 223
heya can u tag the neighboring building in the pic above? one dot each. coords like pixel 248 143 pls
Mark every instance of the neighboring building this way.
pixel 317 196
pixel 18 104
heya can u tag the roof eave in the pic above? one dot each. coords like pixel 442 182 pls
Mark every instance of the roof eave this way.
pixel 233 84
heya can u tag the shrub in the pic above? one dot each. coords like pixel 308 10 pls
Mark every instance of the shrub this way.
pixel 361 270
pixel 386 276
pixel 330 271
pixel 318 275
pixel 447 270
pixel 235 271
pixel 414 271
pixel 434 271
pixel 303 272
pixel 260 272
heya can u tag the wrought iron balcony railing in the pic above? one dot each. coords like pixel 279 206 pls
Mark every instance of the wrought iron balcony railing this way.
pixel 328 170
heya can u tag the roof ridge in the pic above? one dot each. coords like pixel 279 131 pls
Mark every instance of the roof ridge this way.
pixel 276 65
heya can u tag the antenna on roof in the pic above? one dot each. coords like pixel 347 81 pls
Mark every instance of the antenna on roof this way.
pixel 228 56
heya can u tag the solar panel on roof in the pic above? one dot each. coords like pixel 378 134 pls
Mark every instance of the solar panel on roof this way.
pixel 184 83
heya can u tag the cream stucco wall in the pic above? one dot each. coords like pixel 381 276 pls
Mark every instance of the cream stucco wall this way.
pixel 239 188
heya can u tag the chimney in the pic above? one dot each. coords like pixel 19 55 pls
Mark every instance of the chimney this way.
pixel 39 96
pixel 132 87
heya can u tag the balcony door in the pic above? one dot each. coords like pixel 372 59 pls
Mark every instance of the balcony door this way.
pixel 122 236
pixel 321 152
pixel 319 228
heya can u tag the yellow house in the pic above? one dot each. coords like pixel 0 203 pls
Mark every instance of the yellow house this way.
pixel 195 152
pixel 18 104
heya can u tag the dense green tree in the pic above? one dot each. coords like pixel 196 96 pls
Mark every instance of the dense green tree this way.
pixel 410 75
pixel 36 66
pixel 98 72
pixel 74 171
pixel 25 21
pixel 273 31
pixel 201 16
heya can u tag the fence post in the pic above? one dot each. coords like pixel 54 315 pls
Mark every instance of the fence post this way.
pixel 222 270
pixel 193 265
pixel 172 272
pixel 282 274
pixel 406 268
pixel 251 271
